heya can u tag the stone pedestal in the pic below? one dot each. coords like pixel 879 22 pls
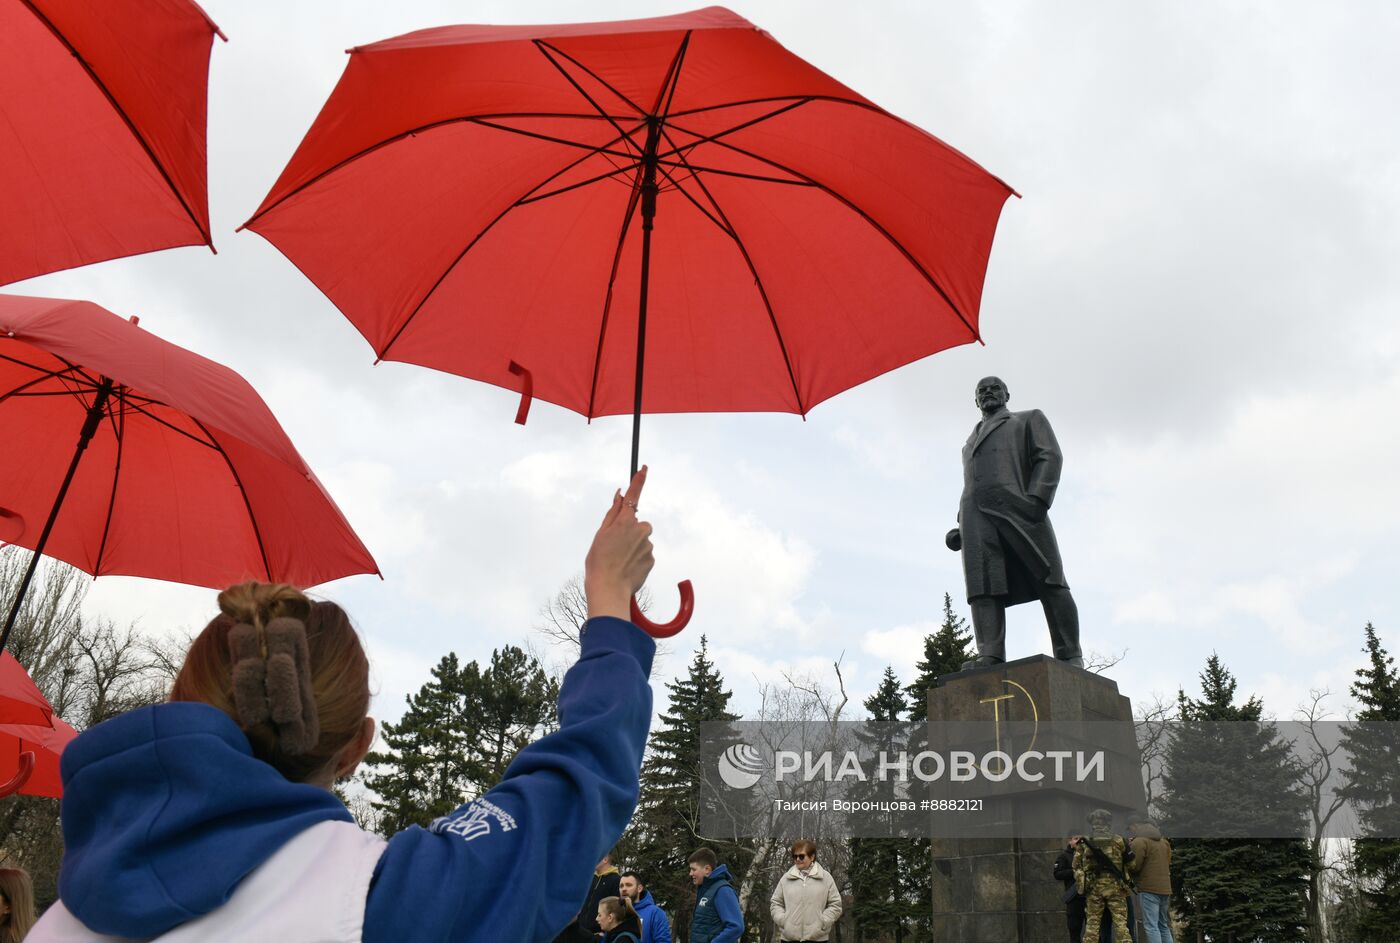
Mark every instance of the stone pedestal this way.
pixel 993 883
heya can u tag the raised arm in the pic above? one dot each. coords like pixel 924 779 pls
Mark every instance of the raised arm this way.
pixel 514 863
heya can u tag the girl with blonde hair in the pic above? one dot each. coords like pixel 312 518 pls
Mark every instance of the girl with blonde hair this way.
pixel 16 904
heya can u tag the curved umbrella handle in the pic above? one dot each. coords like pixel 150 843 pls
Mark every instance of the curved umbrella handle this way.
pixel 26 769
pixel 668 629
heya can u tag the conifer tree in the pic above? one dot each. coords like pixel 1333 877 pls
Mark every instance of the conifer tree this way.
pixel 1372 785
pixel 458 735
pixel 879 865
pixel 945 650
pixel 1226 770
pixel 424 766
pixel 663 831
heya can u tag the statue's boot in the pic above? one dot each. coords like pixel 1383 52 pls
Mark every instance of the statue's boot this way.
pixel 989 627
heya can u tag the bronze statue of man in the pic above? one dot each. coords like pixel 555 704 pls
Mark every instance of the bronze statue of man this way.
pixel 1011 467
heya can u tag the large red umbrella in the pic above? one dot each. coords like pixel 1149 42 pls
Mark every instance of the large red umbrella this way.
pixel 125 454
pixel 102 124
pixel 663 215
pixel 29 758
pixel 21 701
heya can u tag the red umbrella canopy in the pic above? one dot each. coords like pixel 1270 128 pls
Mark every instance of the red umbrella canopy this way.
pixel 46 743
pixel 188 476
pixel 102 149
pixel 469 197
pixel 21 701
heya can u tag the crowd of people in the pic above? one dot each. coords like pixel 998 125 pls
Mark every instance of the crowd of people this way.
pixel 805 904
pixel 1102 872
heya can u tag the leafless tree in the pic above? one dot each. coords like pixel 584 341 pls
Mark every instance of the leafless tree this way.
pixel 90 669
pixel 1153 725
pixel 561 619
pixel 1320 784
pixel 1099 662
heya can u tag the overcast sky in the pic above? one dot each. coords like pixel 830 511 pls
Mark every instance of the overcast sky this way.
pixel 1198 289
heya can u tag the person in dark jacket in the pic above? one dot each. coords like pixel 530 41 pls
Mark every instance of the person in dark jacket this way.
pixel 717 918
pixel 1074 901
pixel 618 921
pixel 656 926
pixel 584 928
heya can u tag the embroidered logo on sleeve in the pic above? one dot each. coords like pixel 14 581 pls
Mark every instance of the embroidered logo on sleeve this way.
pixel 474 820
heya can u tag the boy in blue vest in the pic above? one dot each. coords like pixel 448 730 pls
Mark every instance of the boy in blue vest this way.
pixel 717 917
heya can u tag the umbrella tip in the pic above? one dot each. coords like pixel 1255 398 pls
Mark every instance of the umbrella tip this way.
pixel 135 320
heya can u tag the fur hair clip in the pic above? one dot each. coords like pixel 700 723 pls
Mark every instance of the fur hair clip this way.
pixel 272 682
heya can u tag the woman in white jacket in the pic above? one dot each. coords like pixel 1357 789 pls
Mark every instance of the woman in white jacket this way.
pixel 806 903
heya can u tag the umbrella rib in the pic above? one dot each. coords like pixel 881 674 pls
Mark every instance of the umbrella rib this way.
pixel 874 224
pixel 211 444
pixel 673 75
pixel 700 168
pixel 383 352
pixel 632 202
pixel 247 504
pixel 702 139
pixel 126 119
pixel 694 202
pixel 574 186
pixel 119 430
pixel 545 49
pixel 19 390
pixel 482 120
pixel 595 76
pixel 757 280
pixel 834 99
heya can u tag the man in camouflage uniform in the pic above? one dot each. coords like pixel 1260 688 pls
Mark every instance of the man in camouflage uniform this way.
pixel 1102 877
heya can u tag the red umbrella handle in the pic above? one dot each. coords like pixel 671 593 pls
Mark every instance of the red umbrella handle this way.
pixel 527 391
pixel 26 769
pixel 668 629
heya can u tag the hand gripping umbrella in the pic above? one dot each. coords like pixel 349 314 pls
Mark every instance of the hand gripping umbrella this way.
pixel 138 457
pixel 102 149
pixel 469 198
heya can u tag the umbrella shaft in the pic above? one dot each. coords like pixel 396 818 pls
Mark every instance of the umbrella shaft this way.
pixel 649 191
pixel 90 423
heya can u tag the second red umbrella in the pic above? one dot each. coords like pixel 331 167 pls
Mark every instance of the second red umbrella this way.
pixel 125 454
pixel 666 215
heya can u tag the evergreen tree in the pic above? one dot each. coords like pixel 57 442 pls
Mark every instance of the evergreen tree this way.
pixel 458 735
pixel 879 865
pixel 426 765
pixel 515 700
pixel 663 831
pixel 1372 785
pixel 945 650
pixel 1228 772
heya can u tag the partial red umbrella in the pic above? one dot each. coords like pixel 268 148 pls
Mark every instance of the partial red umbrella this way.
pixel 126 454
pixel 29 758
pixel 663 215
pixel 21 701
pixel 102 146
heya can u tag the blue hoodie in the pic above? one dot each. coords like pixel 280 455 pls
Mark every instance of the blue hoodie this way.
pixel 656 926
pixel 717 917
pixel 166 810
